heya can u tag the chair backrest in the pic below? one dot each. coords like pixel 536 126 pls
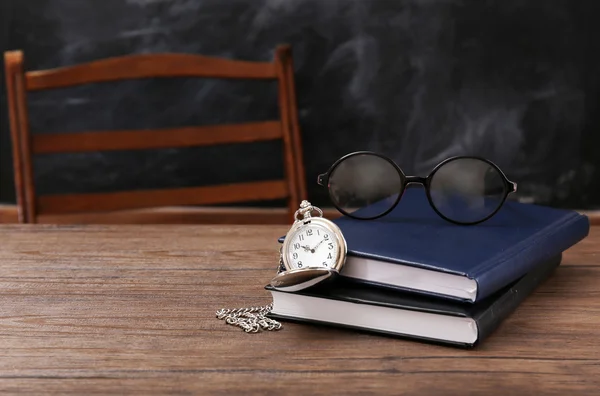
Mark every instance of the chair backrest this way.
pixel 26 145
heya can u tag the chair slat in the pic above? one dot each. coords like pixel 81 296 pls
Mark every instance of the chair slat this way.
pixel 156 138
pixel 237 192
pixel 147 66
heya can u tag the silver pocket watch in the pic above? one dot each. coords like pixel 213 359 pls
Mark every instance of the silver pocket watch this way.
pixel 314 249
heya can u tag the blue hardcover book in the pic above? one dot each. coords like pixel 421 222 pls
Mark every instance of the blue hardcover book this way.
pixel 412 248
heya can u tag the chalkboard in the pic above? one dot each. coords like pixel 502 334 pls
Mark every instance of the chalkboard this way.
pixel 516 82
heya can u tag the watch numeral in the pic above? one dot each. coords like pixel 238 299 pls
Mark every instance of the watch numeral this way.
pixel 299 264
pixel 296 246
pixel 326 236
pixel 318 233
pixel 301 237
pixel 295 256
pixel 329 256
pixel 308 232
pixel 330 245
pixel 324 264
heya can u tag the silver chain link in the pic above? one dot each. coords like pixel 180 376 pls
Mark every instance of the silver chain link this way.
pixel 251 319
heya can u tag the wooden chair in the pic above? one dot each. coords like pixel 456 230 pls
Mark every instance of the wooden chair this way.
pixel 25 146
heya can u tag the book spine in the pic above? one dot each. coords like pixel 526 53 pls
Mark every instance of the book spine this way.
pixel 516 263
pixel 490 319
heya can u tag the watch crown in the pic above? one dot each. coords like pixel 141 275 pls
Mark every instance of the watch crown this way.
pixel 304 204
pixel 305 210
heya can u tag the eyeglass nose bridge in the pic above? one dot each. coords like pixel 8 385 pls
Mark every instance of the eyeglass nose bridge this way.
pixel 415 180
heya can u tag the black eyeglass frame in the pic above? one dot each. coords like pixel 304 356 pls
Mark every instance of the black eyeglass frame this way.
pixel 323 180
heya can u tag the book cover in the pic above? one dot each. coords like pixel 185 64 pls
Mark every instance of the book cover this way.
pixel 347 303
pixel 412 248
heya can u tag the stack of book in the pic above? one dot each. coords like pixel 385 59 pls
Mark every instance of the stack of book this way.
pixel 413 274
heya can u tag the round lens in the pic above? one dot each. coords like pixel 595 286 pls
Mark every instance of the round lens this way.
pixel 365 185
pixel 467 190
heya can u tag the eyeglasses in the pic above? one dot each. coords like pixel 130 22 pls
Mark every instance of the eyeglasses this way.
pixel 463 190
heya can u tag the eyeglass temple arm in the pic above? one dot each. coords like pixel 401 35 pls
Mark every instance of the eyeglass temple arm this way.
pixel 322 179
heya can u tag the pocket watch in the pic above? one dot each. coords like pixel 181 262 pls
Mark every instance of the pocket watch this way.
pixel 314 249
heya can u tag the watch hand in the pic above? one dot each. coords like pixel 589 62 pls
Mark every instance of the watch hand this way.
pixel 306 248
pixel 318 244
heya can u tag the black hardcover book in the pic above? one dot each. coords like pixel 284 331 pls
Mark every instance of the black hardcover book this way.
pixel 347 303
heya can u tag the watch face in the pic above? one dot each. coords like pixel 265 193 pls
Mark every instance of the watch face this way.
pixel 312 245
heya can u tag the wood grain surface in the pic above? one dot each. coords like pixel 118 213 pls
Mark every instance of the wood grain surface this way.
pixel 109 309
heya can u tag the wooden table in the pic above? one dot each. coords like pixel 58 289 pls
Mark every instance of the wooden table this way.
pixel 116 309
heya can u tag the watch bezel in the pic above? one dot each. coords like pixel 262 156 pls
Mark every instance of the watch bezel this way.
pixel 342 247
